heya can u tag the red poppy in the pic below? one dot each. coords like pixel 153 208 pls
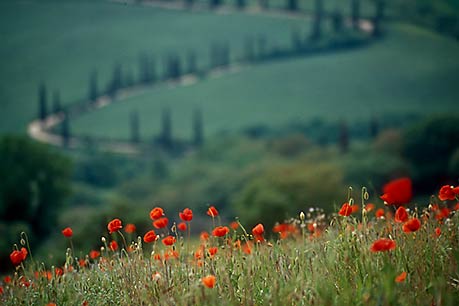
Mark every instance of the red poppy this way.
pixel 169 240
pixel 130 228
pixel 369 207
pixel 401 215
pixel 58 271
pixel 355 208
pixel 113 245
pixel 17 257
pixel 411 225
pixel 209 281
pixel 398 192
pixel 258 230
pixel 114 225
pixel 220 231
pixel 234 225
pixel 7 279
pixel 161 223
pixel 150 236
pixel 186 215
pixel 204 236
pixel 346 210
pixel 382 245
pixel 448 192
pixel 94 254
pixel 213 251
pixel 156 213
pixel 401 277
pixel 181 226
pixel 380 213
pixel 279 228
pixel 1 290
pixel 212 211
pixel 442 213
pixel 67 232
pixel 437 232
pixel 82 263
pixel 247 248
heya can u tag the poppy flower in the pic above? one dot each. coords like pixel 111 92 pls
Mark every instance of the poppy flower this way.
pixel 258 230
pixel 67 232
pixel 247 248
pixel 401 277
pixel 150 236
pixel 212 211
pixel 181 226
pixel 114 226
pixel 130 228
pixel 204 236
pixel 382 245
pixel 355 208
pixel 437 232
pixel 7 279
pixel 401 215
pixel 346 210
pixel 186 215
pixel 1 290
pixel 161 223
pixel 442 213
pixel 169 240
pixel 209 281
pixel 448 192
pixel 380 213
pixel 398 192
pixel 234 225
pixel 411 225
pixel 113 245
pixel 369 207
pixel 156 213
pixel 17 257
pixel 213 251
pixel 58 271
pixel 220 231
pixel 94 254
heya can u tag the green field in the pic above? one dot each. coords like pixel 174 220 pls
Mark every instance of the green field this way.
pixel 411 71
pixel 61 42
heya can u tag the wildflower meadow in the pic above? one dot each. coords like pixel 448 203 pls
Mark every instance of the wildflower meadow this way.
pixel 390 252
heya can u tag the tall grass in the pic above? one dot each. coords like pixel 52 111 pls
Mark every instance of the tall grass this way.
pixel 315 260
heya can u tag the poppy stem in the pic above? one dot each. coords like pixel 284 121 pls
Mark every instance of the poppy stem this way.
pixel 26 239
pixel 124 240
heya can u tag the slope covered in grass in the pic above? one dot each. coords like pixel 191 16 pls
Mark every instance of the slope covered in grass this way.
pixel 411 70
pixel 61 42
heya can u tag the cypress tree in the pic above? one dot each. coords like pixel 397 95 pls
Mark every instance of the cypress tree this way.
pixel 317 20
pixel 343 137
pixel 192 65
pixel 337 21
pixel 355 13
pixel 135 126
pixel 240 4
pixel 198 131
pixel 165 138
pixel 65 130
pixel 292 5
pixel 42 102
pixel 57 107
pixel 374 127
pixel 93 90
pixel 249 49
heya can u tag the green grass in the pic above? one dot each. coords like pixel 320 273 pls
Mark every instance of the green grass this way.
pixel 411 71
pixel 61 42
pixel 332 265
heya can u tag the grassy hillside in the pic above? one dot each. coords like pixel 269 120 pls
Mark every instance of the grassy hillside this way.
pixel 61 42
pixel 411 71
